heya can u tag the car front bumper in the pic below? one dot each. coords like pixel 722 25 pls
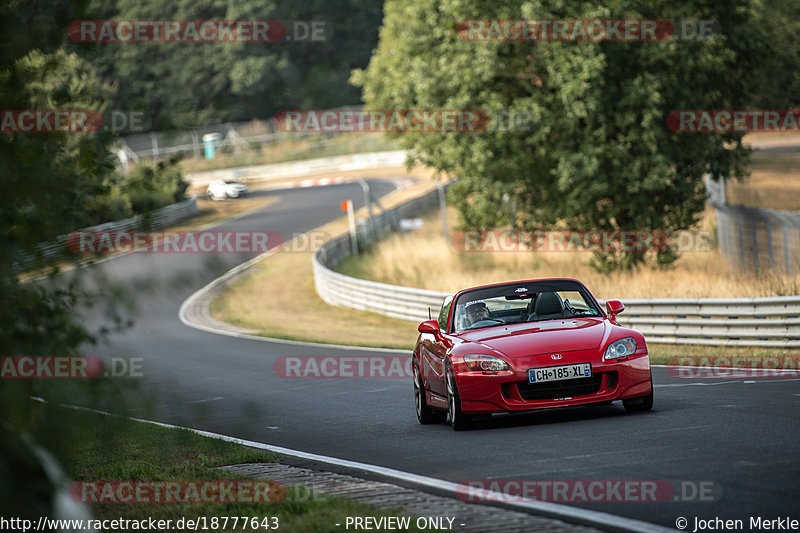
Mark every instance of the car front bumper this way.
pixel 491 392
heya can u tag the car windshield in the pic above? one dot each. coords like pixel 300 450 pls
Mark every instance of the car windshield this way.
pixel 516 303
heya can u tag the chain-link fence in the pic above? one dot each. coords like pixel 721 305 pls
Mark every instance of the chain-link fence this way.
pixel 755 239
pixel 230 137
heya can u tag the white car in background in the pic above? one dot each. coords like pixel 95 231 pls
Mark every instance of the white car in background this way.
pixel 223 189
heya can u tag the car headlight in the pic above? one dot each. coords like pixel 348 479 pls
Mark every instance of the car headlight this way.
pixel 621 348
pixel 485 363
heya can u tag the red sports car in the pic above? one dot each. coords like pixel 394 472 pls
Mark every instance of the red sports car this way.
pixel 526 345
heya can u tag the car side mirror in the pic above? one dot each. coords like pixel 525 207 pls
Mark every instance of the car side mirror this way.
pixel 429 326
pixel 614 307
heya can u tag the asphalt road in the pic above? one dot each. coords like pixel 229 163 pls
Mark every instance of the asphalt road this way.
pixel 740 438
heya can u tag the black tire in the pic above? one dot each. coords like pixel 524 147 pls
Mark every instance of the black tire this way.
pixel 458 420
pixel 642 403
pixel 425 414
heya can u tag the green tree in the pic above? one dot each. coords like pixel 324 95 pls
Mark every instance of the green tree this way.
pixel 152 186
pixel 181 85
pixel 50 179
pixel 593 150
pixel 778 74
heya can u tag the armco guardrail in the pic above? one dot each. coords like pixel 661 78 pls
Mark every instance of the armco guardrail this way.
pixel 768 322
pixel 156 219
pixel 399 302
pixel 391 300
pixel 771 322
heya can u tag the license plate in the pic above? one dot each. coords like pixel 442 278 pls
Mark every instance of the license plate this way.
pixel 558 373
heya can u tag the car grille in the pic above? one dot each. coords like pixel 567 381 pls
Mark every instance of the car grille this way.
pixel 550 390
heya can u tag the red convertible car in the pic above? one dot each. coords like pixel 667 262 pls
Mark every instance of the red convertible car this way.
pixel 526 345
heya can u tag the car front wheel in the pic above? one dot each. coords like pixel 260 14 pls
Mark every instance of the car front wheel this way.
pixel 642 403
pixel 458 420
pixel 425 414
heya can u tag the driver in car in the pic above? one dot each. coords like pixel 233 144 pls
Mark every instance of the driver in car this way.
pixel 476 312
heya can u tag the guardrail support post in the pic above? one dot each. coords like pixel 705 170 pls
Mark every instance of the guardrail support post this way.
pixel 368 205
pixel 443 209
pixel 351 219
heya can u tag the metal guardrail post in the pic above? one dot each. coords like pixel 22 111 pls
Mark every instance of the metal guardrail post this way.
pixel 368 204
pixel 740 231
pixel 755 244
pixel 722 233
pixel 786 262
pixel 443 208
pixel 769 240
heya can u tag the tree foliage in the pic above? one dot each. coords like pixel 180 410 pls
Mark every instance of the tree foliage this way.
pixel 777 75
pixel 590 147
pixel 181 85
pixel 51 181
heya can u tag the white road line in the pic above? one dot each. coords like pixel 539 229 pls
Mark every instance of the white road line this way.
pixel 182 315
pixel 553 510
pixel 724 381
pixel 214 399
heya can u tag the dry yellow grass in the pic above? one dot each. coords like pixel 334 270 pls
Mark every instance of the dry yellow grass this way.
pixel 424 259
pixel 262 302
pixel 773 182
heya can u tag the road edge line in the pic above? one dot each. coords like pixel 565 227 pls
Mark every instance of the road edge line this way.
pixel 573 515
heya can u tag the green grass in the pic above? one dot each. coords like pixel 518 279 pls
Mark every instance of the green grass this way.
pixel 96 447
pixel 661 354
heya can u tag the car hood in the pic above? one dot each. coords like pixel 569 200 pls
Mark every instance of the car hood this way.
pixel 547 336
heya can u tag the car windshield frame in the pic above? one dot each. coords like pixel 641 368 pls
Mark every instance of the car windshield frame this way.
pixel 519 296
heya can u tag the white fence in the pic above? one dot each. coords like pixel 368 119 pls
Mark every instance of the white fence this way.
pixel 156 219
pixel 294 169
pixel 768 322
